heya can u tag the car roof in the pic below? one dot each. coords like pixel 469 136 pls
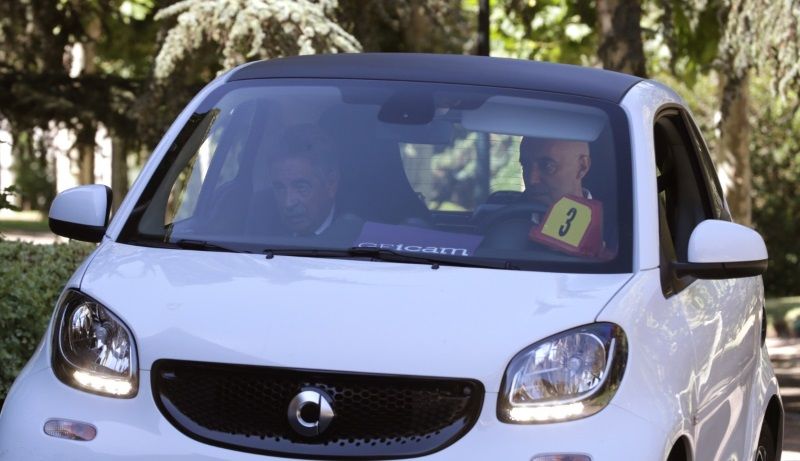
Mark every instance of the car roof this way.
pixel 441 68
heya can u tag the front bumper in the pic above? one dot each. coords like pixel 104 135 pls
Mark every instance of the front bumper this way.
pixel 135 429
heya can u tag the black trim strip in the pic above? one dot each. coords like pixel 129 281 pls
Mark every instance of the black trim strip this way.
pixel 77 231
pixel 717 271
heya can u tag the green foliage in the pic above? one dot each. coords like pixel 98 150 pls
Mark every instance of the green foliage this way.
pixel 548 30
pixel 128 42
pixel 416 26
pixel 42 88
pixel 243 31
pixel 688 31
pixel 35 181
pixel 31 278
pixel 775 158
pixel 784 315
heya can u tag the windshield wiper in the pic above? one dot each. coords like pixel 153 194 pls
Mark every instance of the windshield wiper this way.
pixel 384 254
pixel 354 252
pixel 305 252
pixel 202 245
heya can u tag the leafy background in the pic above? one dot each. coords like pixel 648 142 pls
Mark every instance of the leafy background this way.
pixel 32 279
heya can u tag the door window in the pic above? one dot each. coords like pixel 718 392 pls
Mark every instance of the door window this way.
pixel 718 206
pixel 684 198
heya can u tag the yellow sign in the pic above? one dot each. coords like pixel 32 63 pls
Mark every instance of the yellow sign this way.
pixel 568 221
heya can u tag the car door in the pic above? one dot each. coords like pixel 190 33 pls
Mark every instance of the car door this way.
pixel 723 315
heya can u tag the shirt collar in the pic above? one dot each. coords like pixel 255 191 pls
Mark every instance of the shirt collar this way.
pixel 325 224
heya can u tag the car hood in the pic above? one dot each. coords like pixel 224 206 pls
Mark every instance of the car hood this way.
pixel 336 314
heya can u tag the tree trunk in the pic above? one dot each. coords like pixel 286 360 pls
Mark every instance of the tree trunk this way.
pixel 484 45
pixel 22 158
pixel 85 145
pixel 86 134
pixel 416 32
pixel 119 170
pixel 619 22
pixel 733 147
pixel 86 164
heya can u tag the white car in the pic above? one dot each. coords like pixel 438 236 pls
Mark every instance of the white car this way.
pixel 371 257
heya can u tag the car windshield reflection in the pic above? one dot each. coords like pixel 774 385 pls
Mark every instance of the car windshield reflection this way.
pixel 492 177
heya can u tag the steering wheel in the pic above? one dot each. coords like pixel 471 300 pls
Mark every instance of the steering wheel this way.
pixel 516 211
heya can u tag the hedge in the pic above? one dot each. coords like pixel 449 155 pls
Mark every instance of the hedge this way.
pixel 31 278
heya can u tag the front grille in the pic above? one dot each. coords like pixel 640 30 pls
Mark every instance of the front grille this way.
pixel 376 416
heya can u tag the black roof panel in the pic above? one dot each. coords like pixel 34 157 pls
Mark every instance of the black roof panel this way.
pixel 461 69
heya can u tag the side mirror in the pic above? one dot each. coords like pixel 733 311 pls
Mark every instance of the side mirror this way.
pixel 722 250
pixel 81 213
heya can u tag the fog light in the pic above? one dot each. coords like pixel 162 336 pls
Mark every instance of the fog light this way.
pixel 562 457
pixel 70 430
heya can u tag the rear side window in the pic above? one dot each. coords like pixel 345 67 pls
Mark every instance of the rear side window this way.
pixel 462 177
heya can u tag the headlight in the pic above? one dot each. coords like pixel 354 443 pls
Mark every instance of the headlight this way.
pixel 568 376
pixel 92 349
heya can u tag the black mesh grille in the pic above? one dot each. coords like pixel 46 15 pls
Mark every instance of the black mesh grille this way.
pixel 376 416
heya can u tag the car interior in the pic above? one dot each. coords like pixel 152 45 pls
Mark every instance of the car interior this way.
pixel 374 186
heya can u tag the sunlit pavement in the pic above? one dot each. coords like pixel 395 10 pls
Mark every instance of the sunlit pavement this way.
pixel 39 238
pixel 785 354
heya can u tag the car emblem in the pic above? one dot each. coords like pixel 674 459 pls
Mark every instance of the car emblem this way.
pixel 310 412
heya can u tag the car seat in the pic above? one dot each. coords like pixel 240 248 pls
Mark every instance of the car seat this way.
pixel 373 183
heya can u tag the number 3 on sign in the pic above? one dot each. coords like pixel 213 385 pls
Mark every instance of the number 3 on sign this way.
pixel 564 229
pixel 568 222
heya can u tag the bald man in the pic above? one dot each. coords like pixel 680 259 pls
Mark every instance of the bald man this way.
pixel 552 168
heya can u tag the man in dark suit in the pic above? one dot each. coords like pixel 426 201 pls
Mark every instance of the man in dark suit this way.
pixel 304 176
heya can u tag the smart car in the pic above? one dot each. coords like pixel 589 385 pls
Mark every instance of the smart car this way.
pixel 409 256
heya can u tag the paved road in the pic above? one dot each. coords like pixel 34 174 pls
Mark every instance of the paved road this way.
pixel 786 360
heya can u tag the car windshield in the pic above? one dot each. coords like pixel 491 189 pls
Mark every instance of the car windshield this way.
pixel 455 174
